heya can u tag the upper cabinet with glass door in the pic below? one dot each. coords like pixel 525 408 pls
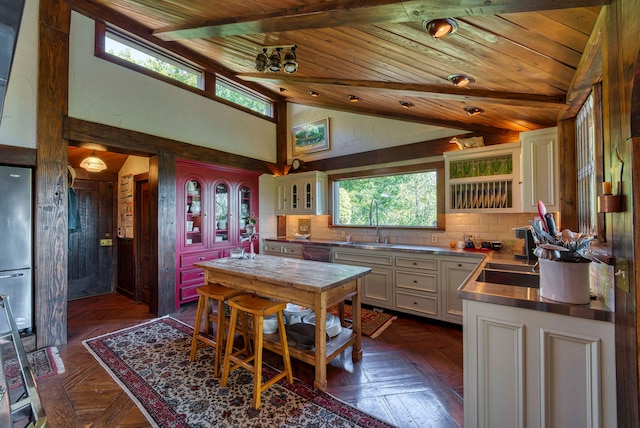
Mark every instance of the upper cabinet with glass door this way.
pixel 193 224
pixel 222 213
pixel 301 193
pixel 484 179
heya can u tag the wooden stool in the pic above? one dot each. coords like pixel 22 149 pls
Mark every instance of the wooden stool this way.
pixel 259 308
pixel 220 294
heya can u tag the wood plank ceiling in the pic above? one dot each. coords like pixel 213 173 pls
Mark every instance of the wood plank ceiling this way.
pixel 523 55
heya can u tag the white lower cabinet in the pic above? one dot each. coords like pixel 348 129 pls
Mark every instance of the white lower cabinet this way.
pixel 293 251
pixel 415 283
pixel 526 368
pixel 454 271
pixel 377 286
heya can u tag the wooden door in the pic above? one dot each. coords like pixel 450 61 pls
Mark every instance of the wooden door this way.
pixel 143 239
pixel 90 262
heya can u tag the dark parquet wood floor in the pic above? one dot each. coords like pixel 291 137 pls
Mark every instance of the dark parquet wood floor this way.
pixel 410 375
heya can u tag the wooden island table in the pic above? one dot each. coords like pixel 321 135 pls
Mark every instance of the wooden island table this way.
pixel 316 285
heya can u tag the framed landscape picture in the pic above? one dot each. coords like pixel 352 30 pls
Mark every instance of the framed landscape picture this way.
pixel 311 137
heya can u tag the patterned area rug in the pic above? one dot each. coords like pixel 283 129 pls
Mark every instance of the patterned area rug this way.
pixel 151 363
pixel 43 362
pixel 373 322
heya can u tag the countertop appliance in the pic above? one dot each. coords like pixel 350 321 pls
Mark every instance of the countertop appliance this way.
pixel 316 252
pixel 528 246
pixel 16 231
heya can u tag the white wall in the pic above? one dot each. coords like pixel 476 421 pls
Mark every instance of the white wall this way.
pixel 103 92
pixel 354 133
pixel 18 124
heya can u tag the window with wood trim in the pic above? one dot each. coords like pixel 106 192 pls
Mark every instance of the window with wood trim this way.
pixel 133 52
pixel 589 162
pixel 399 197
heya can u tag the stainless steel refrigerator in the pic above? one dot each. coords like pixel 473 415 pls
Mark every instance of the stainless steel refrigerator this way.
pixel 16 236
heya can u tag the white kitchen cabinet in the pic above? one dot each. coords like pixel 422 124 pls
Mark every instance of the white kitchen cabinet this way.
pixel 454 271
pixel 301 193
pixel 540 169
pixel 527 368
pixel 283 249
pixel 378 285
pixel 484 179
pixel 416 284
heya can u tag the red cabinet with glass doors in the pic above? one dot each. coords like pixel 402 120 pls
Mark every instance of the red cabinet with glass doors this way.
pixel 212 205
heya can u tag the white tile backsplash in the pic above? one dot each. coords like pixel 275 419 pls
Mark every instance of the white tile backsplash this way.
pixel 488 227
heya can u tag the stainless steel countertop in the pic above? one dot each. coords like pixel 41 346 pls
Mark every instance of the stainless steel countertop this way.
pixel 528 298
pixel 498 294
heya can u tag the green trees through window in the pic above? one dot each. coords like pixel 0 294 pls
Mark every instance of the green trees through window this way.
pixel 154 59
pixel 409 200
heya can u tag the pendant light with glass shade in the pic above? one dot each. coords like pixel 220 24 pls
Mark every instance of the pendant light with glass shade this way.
pixel 93 163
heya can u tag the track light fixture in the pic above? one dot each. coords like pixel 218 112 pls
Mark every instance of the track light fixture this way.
pixel 262 61
pixel 273 61
pixel 472 111
pixel 290 63
pixel 460 80
pixel 439 28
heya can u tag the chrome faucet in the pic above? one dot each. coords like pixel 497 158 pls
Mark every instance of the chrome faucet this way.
pixel 373 201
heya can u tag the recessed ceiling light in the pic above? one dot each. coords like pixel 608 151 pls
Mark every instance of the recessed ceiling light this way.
pixel 353 98
pixel 472 111
pixel 460 80
pixel 283 89
pixel 406 104
pixel 439 28
pixel 314 93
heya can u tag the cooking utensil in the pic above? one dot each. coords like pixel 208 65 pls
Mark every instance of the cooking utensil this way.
pixel 551 224
pixel 542 210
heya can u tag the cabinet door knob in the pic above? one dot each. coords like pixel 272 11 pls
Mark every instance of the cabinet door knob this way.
pixel 201 274
pixel 201 258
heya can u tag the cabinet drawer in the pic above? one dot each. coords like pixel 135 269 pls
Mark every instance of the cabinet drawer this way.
pixel 191 275
pixel 366 259
pixel 417 303
pixel 417 281
pixel 292 250
pixel 189 293
pixel 417 263
pixel 272 248
pixel 187 260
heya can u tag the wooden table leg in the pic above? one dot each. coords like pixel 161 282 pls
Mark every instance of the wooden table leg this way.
pixel 320 309
pixel 357 322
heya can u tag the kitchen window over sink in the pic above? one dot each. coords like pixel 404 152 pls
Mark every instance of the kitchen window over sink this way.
pixel 401 197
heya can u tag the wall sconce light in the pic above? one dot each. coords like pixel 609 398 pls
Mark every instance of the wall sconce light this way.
pixel 353 98
pixel 608 202
pixel 460 80
pixel 93 163
pixel 472 111
pixel 438 28
pixel 314 94
pixel 406 104
pixel 273 61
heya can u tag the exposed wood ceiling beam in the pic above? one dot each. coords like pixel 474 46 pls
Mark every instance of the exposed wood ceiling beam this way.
pixel 356 12
pixel 428 91
pixel 454 124
pixel 588 73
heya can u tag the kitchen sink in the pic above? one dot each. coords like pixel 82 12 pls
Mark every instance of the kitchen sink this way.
pixel 372 245
pixel 521 278
pixel 510 267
